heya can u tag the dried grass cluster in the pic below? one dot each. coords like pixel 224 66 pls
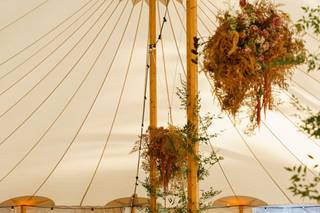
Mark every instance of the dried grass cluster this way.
pixel 167 146
pixel 251 53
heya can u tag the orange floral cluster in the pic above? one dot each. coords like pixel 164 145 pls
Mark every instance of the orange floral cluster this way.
pixel 250 53
pixel 167 147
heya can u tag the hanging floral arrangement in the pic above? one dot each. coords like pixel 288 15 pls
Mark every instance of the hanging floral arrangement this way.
pixel 167 147
pixel 251 53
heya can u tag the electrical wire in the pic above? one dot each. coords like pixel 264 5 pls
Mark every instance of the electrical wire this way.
pixel 72 97
pixel 34 42
pixel 149 46
pixel 47 44
pixel 142 123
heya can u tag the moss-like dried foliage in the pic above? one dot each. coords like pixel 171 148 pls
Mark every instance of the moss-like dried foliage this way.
pixel 250 54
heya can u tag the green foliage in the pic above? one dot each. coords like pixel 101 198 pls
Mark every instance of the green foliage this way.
pixel 311 22
pixel 300 186
pixel 175 195
pixel 311 125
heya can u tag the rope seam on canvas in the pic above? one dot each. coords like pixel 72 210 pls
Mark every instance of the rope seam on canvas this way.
pixel 281 142
pixel 119 101
pixel 82 124
pixel 310 76
pixel 164 62
pixel 296 126
pixel 45 58
pixel 177 61
pixel 308 33
pixel 176 44
pixel 254 155
pixel 36 109
pixel 47 44
pixel 304 89
pixel 65 107
pixel 24 15
pixel 288 150
pixel 31 44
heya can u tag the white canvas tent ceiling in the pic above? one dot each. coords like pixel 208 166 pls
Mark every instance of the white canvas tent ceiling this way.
pixel 69 115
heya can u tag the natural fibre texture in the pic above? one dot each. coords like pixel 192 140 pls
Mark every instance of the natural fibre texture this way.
pixel 167 147
pixel 252 52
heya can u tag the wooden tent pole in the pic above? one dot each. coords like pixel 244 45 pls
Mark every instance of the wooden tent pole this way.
pixel 240 209
pixel 23 209
pixel 153 96
pixel 192 115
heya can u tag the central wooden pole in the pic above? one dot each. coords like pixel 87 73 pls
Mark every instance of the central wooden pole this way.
pixel 192 111
pixel 240 209
pixel 153 96
pixel 23 209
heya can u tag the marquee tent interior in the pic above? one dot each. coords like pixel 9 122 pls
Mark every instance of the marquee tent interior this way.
pixel 72 80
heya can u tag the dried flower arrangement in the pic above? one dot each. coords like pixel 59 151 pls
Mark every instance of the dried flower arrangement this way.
pixel 166 145
pixel 170 147
pixel 252 52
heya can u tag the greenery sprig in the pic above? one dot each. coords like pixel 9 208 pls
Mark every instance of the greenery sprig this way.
pixel 170 146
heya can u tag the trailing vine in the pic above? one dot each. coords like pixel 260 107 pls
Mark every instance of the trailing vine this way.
pixel 310 23
pixel 170 147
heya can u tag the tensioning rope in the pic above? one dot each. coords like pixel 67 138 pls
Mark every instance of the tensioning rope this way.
pixel 34 42
pixel 48 43
pixel 70 99
pixel 38 107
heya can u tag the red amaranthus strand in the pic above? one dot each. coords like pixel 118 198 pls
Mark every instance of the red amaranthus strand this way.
pixel 243 3
pixel 258 109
